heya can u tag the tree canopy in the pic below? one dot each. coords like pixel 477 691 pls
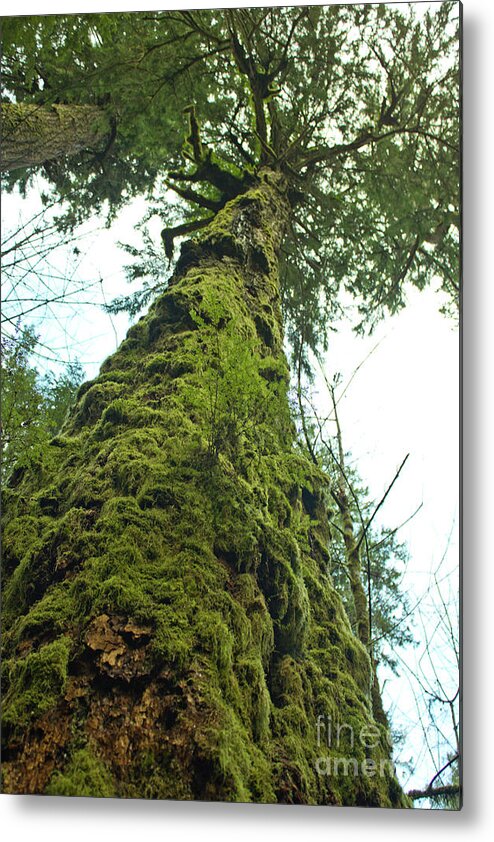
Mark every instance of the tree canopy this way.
pixel 356 105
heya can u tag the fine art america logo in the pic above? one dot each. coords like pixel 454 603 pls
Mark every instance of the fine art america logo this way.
pixel 342 737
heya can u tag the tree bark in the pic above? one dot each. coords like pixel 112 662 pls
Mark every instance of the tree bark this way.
pixel 170 626
pixel 34 134
pixel 449 791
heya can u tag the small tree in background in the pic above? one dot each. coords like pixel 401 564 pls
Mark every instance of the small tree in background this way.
pixel 33 406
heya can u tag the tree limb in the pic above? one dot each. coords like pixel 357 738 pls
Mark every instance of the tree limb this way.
pixel 436 792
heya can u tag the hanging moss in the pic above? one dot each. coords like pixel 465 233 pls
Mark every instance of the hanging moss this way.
pixel 167 595
pixel 33 684
pixel 85 775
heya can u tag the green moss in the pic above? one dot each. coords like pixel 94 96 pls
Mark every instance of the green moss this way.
pixel 34 684
pixel 93 401
pixel 50 615
pixel 84 775
pixel 57 548
pixel 252 678
pixel 20 536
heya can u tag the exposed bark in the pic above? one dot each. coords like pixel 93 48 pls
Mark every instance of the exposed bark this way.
pixel 170 627
pixel 34 134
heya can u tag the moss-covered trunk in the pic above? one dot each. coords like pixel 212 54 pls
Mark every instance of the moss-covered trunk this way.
pixel 34 134
pixel 170 627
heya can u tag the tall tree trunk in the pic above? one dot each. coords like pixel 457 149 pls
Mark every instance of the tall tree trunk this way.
pixel 34 134
pixel 170 627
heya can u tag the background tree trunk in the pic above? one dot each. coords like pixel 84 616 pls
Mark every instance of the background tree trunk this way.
pixel 33 134
pixel 170 627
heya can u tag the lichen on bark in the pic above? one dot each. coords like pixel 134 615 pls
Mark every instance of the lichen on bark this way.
pixel 172 551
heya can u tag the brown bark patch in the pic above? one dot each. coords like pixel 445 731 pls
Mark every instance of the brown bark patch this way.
pixel 121 646
pixel 40 753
